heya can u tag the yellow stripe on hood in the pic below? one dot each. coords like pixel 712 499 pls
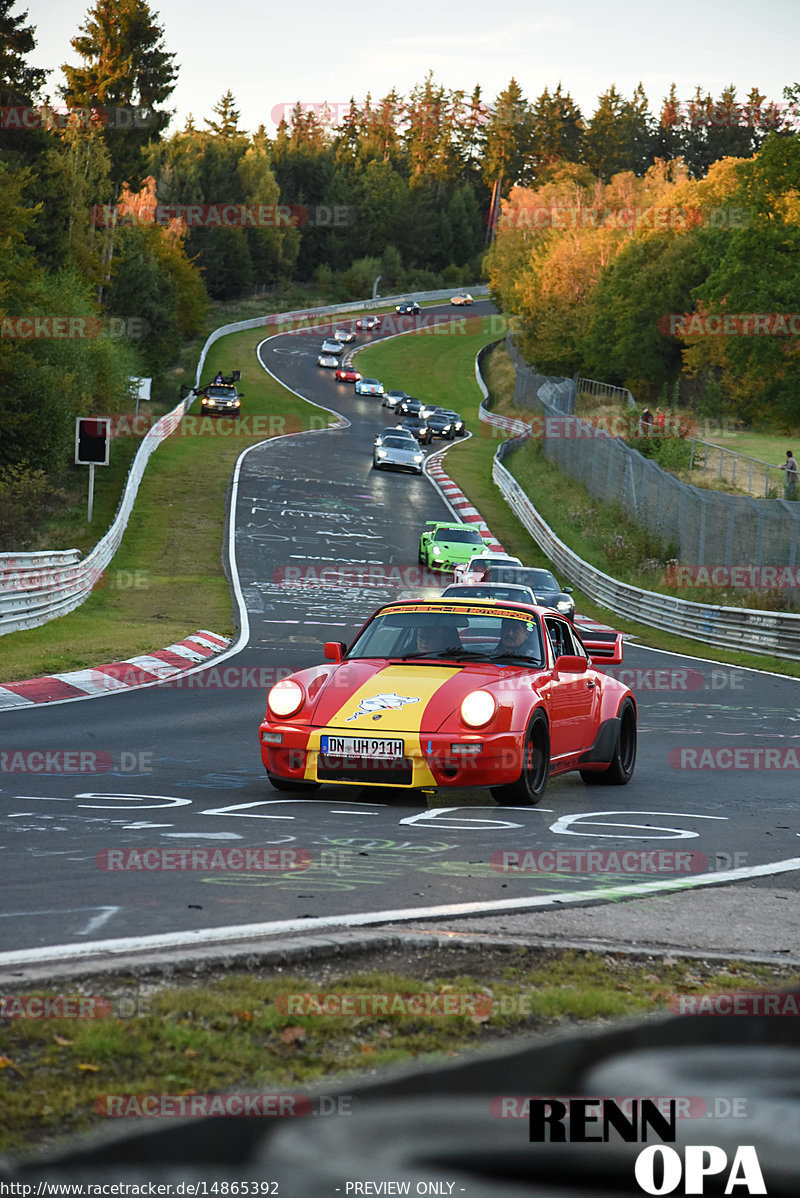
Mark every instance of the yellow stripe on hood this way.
pixel 406 682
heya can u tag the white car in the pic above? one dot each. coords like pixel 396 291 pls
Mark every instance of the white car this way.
pixel 327 360
pixel 474 567
pixel 392 399
pixel 461 300
pixel 332 346
pixel 344 335
pixel 506 592
pixel 400 452
pixel 404 433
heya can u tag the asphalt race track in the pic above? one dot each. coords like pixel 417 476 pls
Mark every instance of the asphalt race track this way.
pixel 178 766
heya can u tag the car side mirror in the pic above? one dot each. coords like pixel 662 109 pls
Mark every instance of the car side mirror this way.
pixel 334 650
pixel 571 663
pixel 567 590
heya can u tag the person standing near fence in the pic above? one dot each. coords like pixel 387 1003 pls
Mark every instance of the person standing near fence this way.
pixel 790 481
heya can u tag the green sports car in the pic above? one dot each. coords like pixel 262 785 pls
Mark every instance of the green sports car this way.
pixel 446 545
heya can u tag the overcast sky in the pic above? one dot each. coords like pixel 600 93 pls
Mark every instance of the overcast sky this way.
pixel 270 54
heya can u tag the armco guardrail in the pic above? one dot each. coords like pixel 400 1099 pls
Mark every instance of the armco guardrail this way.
pixel 770 632
pixel 38 587
pixel 49 585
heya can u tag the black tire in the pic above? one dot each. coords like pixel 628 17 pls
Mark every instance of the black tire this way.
pixel 623 763
pixel 421 558
pixel 531 784
pixel 290 784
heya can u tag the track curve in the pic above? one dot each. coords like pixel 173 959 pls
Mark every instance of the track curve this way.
pixel 186 773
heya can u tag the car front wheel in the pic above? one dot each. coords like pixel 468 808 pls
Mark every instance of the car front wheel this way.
pixel 530 786
pixel 623 762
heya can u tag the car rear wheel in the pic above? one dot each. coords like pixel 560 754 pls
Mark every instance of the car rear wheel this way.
pixel 290 784
pixel 530 786
pixel 620 772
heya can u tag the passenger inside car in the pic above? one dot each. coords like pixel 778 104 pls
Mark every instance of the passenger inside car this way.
pixel 518 639
pixel 437 638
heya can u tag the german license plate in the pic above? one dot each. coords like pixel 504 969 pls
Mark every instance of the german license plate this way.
pixel 360 746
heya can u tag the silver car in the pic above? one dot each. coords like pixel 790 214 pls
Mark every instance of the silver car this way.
pixel 331 346
pixel 398 453
pixel 393 399
pixel 344 335
pixel 327 360
pixel 506 591
pixel 405 433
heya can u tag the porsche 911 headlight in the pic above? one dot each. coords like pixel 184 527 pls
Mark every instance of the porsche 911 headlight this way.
pixel 285 698
pixel 419 457
pixel 381 453
pixel 564 605
pixel 477 708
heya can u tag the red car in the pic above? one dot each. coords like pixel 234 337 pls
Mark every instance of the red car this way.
pixel 346 374
pixel 454 692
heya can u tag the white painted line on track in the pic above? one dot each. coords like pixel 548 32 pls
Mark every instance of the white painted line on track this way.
pixel 210 936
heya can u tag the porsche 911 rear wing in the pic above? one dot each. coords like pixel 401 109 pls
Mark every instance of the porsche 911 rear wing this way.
pixel 604 648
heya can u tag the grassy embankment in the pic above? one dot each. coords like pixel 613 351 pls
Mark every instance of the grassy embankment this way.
pixel 439 369
pixel 231 1032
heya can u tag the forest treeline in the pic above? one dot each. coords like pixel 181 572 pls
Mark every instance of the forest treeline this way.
pixel 115 234
pixel 682 289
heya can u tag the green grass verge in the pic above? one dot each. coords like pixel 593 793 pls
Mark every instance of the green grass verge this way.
pixel 588 527
pixel 233 1034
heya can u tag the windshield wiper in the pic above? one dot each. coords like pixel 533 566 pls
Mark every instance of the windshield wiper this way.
pixel 435 653
pixel 517 659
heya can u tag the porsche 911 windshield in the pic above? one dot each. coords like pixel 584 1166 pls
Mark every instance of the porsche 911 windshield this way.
pixel 472 634
pixel 455 535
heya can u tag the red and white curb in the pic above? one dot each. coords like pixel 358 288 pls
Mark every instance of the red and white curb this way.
pixel 116 676
pixel 458 501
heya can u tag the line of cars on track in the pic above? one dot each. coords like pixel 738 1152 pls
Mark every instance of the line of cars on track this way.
pixel 417 423
pixel 489 685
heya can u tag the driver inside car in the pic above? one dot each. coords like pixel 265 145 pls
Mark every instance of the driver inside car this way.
pixel 437 638
pixel 515 639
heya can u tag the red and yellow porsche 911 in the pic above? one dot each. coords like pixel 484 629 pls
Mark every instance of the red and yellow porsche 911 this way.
pixel 459 692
